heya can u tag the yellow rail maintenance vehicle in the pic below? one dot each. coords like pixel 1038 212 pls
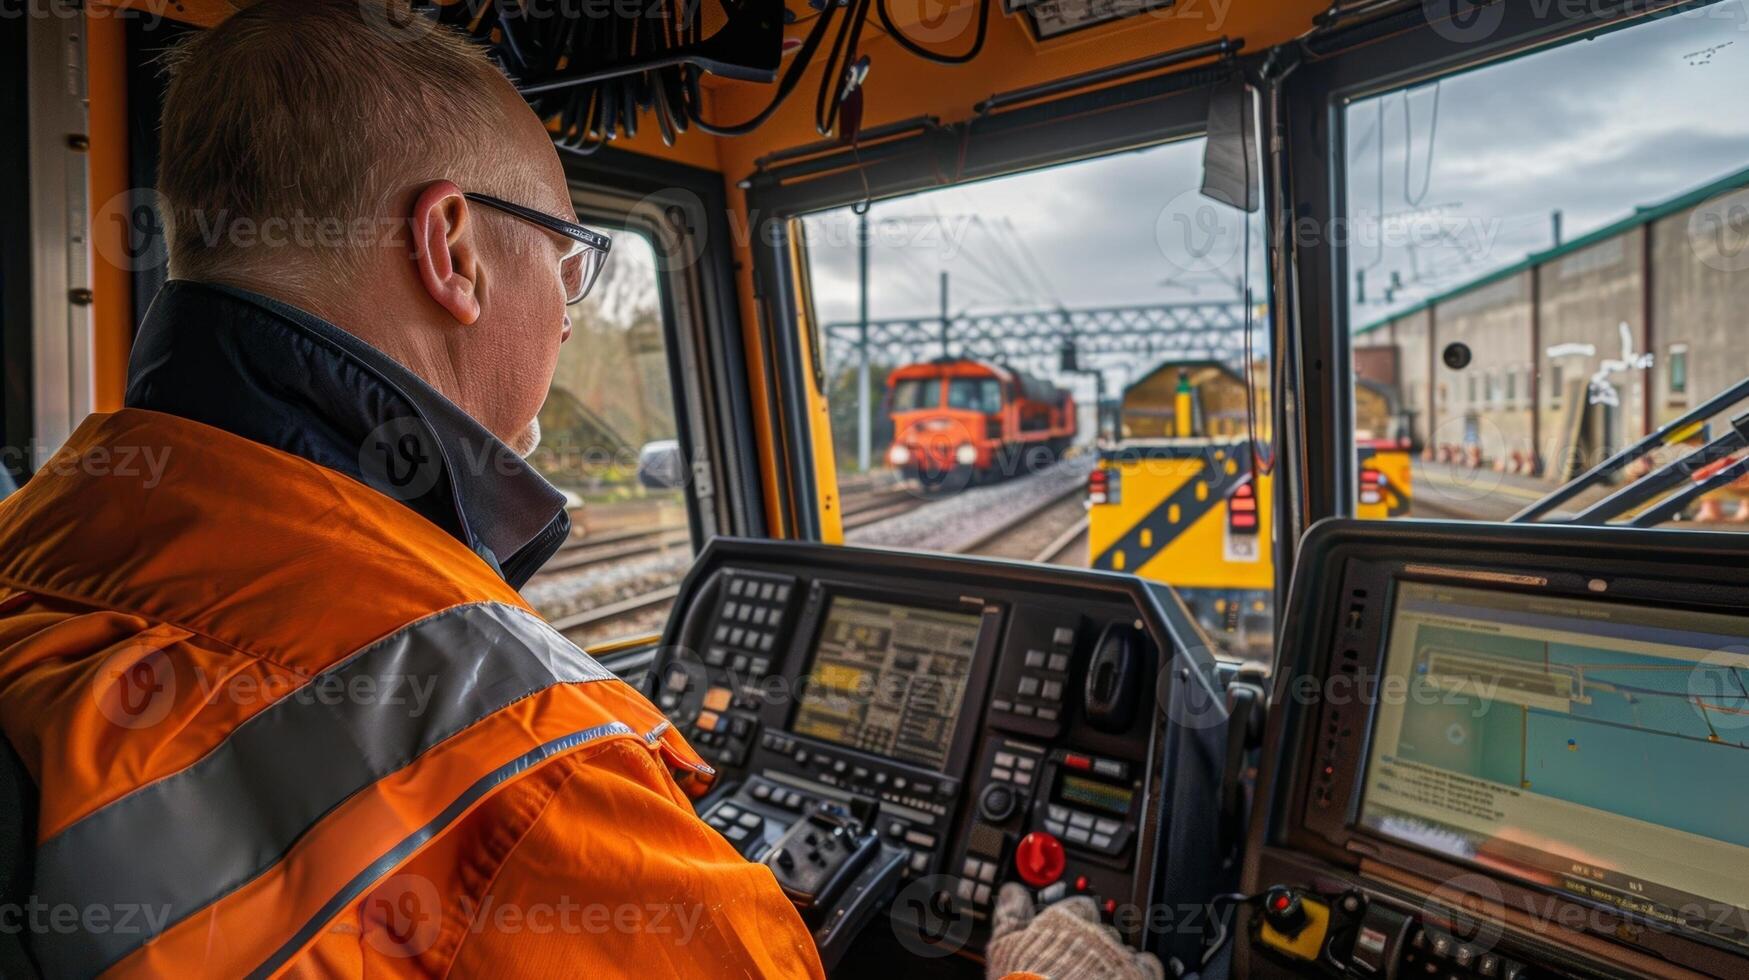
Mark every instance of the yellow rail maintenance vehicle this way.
pixel 1183 497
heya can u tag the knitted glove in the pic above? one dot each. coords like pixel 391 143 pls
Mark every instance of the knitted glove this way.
pixel 1064 942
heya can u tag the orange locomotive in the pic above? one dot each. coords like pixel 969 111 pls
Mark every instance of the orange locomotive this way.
pixel 956 419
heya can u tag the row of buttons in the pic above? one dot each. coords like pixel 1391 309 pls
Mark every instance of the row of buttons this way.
pixel 979 869
pixel 923 788
pixel 1463 956
pixel 1026 710
pixel 1037 659
pixel 1076 818
pixel 789 799
pixel 727 751
pixel 735 823
pixel 1016 768
pixel 752 615
pixel 1057 889
pixel 1114 768
pixel 917 838
pixel 974 892
pixel 1045 692
pixel 1082 828
pixel 753 667
pixel 746 637
pixel 734 725
pixel 750 619
pixel 764 591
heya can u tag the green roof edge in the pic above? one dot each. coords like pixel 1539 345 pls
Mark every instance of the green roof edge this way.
pixel 1641 216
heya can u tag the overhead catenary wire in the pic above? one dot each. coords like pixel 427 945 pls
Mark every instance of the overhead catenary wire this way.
pixel 1415 200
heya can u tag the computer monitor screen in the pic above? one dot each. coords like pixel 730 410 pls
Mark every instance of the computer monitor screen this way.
pixel 889 679
pixel 1595 748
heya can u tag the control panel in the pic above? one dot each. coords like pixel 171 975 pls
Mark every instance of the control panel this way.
pixel 935 726
pixel 1362 934
pixel 1495 752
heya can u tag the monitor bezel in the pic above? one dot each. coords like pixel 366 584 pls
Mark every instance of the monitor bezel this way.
pixel 813 625
pixel 1358 795
pixel 1691 569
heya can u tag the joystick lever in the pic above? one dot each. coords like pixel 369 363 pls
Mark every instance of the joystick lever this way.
pixel 835 869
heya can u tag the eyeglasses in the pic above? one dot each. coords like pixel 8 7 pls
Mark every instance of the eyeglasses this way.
pixel 582 264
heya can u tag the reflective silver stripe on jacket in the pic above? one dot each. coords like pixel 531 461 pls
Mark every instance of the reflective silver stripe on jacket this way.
pixel 176 845
pixel 392 858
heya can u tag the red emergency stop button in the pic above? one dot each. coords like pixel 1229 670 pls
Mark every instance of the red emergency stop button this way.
pixel 1038 858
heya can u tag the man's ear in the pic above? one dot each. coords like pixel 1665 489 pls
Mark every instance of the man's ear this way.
pixel 445 250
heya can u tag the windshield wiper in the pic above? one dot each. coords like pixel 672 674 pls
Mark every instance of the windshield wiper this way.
pixel 1672 475
pixel 1671 432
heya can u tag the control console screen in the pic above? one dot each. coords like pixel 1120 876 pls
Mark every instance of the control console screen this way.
pixel 889 679
pixel 1595 748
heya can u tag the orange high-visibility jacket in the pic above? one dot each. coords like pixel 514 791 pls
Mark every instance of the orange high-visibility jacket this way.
pixel 283 723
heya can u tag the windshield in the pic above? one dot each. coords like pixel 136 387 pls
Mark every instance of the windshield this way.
pixel 912 394
pixel 975 395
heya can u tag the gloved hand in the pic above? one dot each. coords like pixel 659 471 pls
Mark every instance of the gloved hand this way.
pixel 1064 942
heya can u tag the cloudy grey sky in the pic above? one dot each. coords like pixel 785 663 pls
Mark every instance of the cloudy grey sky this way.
pixel 1593 129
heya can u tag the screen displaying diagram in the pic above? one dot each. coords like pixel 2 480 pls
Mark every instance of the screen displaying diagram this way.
pixel 1597 748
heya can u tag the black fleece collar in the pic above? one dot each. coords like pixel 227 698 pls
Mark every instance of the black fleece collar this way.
pixel 274 374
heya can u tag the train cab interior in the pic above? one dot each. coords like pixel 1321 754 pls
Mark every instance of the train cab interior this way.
pixel 1275 468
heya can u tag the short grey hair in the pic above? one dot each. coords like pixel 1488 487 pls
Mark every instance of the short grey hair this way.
pixel 289 130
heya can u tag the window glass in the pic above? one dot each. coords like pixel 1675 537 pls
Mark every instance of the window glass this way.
pixel 975 395
pixel 1578 214
pixel 911 394
pixel 609 440
pixel 1100 398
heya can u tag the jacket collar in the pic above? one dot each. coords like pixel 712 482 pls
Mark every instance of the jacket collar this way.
pixel 274 374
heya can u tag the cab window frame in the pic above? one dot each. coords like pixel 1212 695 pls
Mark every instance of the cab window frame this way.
pixel 681 210
pixel 1336 69
pixel 920 155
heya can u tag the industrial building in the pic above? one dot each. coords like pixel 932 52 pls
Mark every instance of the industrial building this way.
pixel 1559 374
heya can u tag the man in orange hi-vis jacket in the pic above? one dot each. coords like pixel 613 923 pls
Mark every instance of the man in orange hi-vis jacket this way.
pixel 261 648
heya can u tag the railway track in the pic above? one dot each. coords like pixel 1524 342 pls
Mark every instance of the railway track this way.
pixel 1067 548
pixel 617 610
pixel 997 542
pixel 861 507
pixel 647 610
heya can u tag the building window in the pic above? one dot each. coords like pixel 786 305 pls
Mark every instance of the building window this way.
pixel 1512 388
pixel 1556 387
pixel 1678 368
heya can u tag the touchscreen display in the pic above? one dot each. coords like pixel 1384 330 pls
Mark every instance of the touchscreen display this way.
pixel 1595 748
pixel 889 679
